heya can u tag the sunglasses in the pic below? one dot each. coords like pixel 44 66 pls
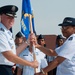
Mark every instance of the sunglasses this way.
pixel 65 27
pixel 42 40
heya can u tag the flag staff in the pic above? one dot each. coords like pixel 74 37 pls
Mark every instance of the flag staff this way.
pixel 31 30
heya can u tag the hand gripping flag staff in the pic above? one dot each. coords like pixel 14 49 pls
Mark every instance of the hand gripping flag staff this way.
pixel 27 24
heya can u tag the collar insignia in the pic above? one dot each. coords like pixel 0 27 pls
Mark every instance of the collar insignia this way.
pixel 71 38
pixel 1 29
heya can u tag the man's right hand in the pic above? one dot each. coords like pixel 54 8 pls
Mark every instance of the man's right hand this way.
pixel 35 64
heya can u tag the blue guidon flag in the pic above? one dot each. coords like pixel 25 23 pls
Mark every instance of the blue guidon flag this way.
pixel 26 11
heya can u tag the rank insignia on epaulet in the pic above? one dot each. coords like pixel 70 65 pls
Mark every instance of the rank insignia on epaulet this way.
pixel 71 38
pixel 1 29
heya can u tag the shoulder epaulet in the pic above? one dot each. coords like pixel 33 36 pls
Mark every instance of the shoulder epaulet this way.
pixel 1 29
pixel 71 38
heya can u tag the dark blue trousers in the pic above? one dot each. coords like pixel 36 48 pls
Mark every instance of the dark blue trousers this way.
pixel 5 70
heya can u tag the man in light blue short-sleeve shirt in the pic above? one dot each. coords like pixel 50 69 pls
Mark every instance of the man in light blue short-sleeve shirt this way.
pixel 65 54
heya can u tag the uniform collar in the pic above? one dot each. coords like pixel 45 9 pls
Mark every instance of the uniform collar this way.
pixel 72 35
pixel 7 30
pixel 2 26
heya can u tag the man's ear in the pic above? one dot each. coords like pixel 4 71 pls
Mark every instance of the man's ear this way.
pixel 0 18
pixel 74 29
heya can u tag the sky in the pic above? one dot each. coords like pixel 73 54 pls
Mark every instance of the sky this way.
pixel 47 14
